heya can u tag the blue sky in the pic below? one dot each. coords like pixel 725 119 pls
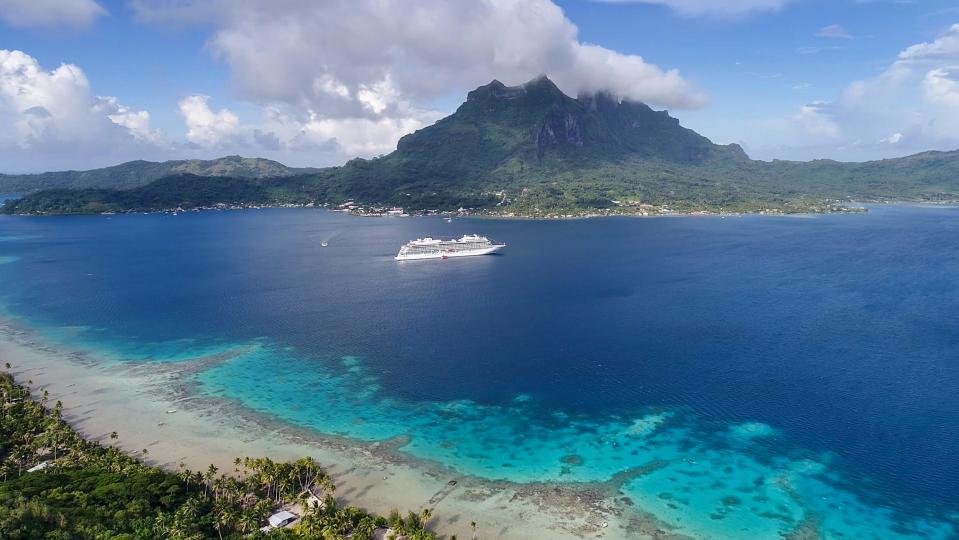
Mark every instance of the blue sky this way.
pixel 87 83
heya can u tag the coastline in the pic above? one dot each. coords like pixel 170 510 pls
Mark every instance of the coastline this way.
pixel 152 406
pixel 134 399
pixel 839 208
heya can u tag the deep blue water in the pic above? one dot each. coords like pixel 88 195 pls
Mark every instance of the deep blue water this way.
pixel 831 340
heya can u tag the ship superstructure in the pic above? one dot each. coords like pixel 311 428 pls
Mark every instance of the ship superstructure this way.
pixel 438 248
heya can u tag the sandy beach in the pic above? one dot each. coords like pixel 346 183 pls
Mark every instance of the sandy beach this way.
pixel 137 400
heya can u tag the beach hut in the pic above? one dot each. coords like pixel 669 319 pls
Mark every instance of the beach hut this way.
pixel 282 519
pixel 39 467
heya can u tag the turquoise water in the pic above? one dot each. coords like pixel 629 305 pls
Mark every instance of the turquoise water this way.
pixel 725 483
pixel 739 378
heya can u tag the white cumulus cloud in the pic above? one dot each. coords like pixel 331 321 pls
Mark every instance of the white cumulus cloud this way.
pixel 816 121
pixel 940 87
pixel 355 136
pixel 52 117
pixel 352 58
pixel 910 106
pixel 344 78
pixel 945 48
pixel 50 13
pixel 281 130
pixel 137 122
pixel 893 139
pixel 207 128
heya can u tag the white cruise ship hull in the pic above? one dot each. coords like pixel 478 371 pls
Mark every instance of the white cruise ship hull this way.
pixel 448 254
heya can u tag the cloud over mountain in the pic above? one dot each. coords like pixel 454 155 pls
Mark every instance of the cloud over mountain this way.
pixel 356 75
pixel 355 58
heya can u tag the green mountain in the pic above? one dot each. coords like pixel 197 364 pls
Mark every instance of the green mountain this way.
pixel 529 150
pixel 535 146
pixel 139 173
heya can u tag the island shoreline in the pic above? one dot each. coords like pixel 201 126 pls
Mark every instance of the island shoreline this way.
pixel 771 212
pixel 134 399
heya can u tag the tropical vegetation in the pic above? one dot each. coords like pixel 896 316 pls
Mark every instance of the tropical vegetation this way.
pixel 140 173
pixel 54 484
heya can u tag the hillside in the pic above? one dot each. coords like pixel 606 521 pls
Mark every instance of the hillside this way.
pixel 527 150
pixel 536 147
pixel 178 191
pixel 139 173
pixel 928 176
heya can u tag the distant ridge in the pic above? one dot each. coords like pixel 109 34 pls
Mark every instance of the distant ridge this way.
pixel 139 173
pixel 524 150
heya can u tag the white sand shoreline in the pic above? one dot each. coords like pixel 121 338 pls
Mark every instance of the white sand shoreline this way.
pixel 133 399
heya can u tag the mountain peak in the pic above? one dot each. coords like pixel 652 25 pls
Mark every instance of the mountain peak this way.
pixel 538 86
pixel 543 86
pixel 540 81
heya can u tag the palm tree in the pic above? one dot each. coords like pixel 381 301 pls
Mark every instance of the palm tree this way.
pixel 249 521
pixel 330 532
pixel 185 475
pixel 413 523
pixel 473 529
pixel 326 485
pixel 223 517
pixel 163 525
pixel 364 529
pixel 208 477
pixel 425 516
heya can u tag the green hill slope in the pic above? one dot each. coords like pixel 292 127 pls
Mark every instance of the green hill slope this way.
pixel 536 147
pixel 139 173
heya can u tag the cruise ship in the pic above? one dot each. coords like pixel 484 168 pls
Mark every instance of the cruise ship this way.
pixel 437 248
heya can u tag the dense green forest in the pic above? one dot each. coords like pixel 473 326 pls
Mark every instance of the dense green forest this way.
pixel 139 173
pixel 526 150
pixel 93 491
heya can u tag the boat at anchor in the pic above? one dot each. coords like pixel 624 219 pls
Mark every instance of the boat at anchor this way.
pixel 438 248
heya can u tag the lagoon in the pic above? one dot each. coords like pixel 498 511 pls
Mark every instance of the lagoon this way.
pixel 735 377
